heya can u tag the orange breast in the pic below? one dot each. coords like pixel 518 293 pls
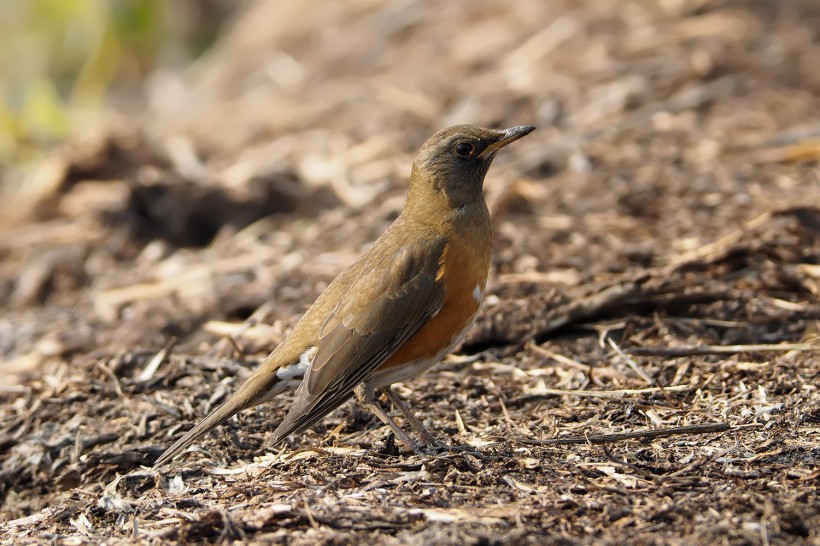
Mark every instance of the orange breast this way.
pixel 463 271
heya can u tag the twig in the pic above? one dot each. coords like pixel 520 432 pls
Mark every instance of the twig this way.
pixel 620 393
pixel 587 306
pixel 802 151
pixel 631 363
pixel 720 247
pixel 617 460
pixel 111 375
pixel 695 465
pixel 789 137
pixel 237 349
pixel 153 364
pixel 621 436
pixel 699 350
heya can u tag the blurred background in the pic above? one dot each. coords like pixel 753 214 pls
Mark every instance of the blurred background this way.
pixel 169 163
pixel 65 64
pixel 180 179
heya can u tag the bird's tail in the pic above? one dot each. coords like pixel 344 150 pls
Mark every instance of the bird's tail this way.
pixel 260 387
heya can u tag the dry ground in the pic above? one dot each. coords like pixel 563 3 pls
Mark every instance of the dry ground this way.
pixel 656 265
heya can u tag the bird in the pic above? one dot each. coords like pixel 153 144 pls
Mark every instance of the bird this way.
pixel 398 309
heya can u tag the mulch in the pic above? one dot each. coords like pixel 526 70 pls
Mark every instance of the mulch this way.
pixel 644 370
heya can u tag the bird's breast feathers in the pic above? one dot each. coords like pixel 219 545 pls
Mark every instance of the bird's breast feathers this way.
pixel 463 273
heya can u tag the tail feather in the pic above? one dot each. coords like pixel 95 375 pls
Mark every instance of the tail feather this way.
pixel 221 414
pixel 259 388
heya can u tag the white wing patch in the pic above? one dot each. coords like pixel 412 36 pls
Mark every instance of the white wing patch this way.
pixel 291 376
pixel 477 293
pixel 307 358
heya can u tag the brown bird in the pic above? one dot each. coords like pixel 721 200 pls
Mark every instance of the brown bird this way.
pixel 398 309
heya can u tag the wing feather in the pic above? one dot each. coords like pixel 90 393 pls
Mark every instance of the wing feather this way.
pixel 382 310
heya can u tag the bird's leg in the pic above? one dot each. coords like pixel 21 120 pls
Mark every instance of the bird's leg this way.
pixel 426 437
pixel 364 394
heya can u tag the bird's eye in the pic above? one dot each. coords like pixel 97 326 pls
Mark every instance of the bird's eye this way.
pixel 464 149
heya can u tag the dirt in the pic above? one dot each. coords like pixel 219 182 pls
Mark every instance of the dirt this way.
pixel 645 368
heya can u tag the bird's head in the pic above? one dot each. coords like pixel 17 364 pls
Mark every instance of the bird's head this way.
pixel 452 163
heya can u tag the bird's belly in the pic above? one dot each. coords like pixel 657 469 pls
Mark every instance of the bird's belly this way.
pixel 387 375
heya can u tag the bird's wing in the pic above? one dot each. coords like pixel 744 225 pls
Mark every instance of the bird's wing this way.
pixel 384 308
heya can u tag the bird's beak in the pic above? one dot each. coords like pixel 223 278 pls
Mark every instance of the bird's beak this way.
pixel 505 137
